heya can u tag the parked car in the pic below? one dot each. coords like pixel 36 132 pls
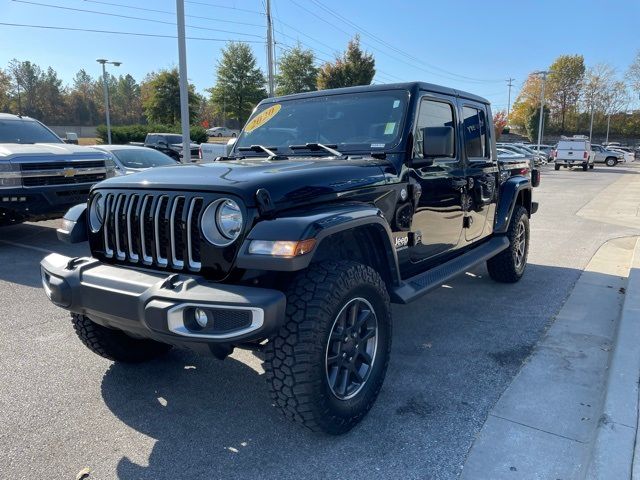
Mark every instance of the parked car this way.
pixel 40 175
pixel 132 158
pixel 71 137
pixel 209 152
pixel 546 150
pixel 629 154
pixel 607 156
pixel 169 144
pixel 533 157
pixel 295 244
pixel 222 132
pixel 572 152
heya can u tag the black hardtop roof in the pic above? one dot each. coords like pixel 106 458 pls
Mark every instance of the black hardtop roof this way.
pixel 161 133
pixel 430 87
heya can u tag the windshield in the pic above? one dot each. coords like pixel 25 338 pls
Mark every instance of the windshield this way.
pixel 25 131
pixel 142 158
pixel 350 122
pixel 174 138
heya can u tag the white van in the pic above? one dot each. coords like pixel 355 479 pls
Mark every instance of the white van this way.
pixel 574 152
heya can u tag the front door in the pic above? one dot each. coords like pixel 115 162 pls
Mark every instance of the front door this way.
pixel 481 170
pixel 438 215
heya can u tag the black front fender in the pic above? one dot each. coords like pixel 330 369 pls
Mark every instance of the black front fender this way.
pixel 316 225
pixel 509 194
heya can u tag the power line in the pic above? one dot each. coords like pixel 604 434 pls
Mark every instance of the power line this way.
pixel 169 12
pixel 415 61
pixel 215 5
pixel 132 18
pixel 112 32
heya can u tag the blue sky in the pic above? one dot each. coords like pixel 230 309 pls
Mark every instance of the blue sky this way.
pixel 473 46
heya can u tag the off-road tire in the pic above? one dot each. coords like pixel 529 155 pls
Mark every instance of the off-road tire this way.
pixel 611 162
pixel 505 267
pixel 295 358
pixel 114 344
pixel 556 167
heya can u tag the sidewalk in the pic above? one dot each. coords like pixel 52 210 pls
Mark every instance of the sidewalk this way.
pixel 571 411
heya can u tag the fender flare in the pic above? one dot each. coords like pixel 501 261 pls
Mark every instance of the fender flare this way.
pixel 318 225
pixel 509 192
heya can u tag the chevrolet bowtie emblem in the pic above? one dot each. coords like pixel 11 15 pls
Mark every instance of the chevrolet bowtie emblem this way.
pixel 69 172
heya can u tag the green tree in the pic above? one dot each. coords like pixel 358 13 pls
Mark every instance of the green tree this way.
pixel 297 72
pixel 533 123
pixel 240 84
pixel 161 97
pixel 354 67
pixel 565 84
pixel 5 92
pixel 125 100
pixel 83 105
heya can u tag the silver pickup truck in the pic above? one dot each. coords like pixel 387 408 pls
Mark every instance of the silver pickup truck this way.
pixel 40 175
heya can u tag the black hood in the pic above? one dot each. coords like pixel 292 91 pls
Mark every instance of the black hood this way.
pixel 295 181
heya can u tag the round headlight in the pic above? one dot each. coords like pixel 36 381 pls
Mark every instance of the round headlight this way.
pixel 222 222
pixel 96 212
pixel 229 219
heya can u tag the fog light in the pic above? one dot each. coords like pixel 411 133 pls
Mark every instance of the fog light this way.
pixel 201 317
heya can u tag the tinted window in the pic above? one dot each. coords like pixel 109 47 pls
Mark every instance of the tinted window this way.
pixel 174 138
pixel 25 131
pixel 475 133
pixel 432 114
pixel 142 158
pixel 353 122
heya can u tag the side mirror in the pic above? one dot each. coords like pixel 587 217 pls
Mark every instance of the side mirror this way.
pixel 230 143
pixel 437 142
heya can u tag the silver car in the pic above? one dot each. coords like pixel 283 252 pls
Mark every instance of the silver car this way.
pixel 132 159
pixel 604 155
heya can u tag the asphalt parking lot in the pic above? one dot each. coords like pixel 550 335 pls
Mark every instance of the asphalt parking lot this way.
pixel 454 352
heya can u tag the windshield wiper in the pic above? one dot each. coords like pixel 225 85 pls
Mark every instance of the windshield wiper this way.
pixel 270 151
pixel 315 147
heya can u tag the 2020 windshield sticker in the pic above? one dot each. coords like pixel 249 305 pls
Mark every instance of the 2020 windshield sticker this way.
pixel 262 118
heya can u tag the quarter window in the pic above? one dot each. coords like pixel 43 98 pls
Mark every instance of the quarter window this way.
pixel 475 133
pixel 432 114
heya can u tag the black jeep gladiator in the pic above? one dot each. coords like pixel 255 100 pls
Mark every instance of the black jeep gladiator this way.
pixel 331 205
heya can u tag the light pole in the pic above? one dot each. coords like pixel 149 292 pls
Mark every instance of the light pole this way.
pixel 183 83
pixel 106 92
pixel 544 74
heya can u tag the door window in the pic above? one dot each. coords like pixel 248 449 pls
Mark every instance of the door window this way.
pixel 475 133
pixel 434 114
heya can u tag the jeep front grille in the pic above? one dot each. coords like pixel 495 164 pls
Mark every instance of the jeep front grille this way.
pixel 156 229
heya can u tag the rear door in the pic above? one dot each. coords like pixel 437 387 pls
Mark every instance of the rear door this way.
pixel 481 169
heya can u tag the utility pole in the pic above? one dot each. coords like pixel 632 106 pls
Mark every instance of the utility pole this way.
pixel 591 123
pixel 608 123
pixel 270 49
pixel 105 85
pixel 544 79
pixel 19 99
pixel 184 83
pixel 510 84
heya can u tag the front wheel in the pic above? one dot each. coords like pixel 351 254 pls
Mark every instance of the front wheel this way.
pixel 611 162
pixel 114 344
pixel 326 365
pixel 233 135
pixel 508 266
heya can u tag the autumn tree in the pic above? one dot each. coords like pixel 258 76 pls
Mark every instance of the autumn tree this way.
pixel 526 102
pixel 240 83
pixel 297 72
pixel 564 85
pixel 499 122
pixel 633 74
pixel 353 67
pixel 5 91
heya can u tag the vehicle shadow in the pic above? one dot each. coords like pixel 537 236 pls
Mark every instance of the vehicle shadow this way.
pixel 454 353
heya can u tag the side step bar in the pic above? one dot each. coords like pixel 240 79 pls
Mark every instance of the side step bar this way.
pixel 414 287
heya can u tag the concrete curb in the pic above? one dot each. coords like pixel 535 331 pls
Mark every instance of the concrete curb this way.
pixel 549 422
pixel 615 439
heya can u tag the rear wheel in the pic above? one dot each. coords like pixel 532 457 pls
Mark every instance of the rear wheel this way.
pixel 326 365
pixel 591 166
pixel 114 344
pixel 611 162
pixel 585 167
pixel 556 167
pixel 509 265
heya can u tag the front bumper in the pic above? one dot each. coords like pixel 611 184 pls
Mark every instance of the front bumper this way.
pixel 161 306
pixel 40 203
